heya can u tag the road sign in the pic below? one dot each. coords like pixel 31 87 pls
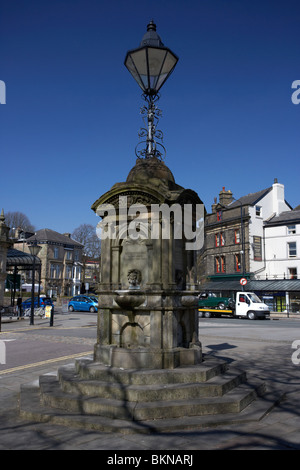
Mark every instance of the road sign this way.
pixel 243 281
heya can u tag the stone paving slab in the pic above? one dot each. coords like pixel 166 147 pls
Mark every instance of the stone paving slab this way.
pixel 279 429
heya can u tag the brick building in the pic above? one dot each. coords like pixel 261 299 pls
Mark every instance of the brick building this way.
pixel 234 232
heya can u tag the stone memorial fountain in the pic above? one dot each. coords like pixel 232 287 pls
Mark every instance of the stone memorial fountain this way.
pixel 147 297
pixel 147 372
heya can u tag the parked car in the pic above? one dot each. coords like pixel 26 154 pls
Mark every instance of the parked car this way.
pixel 91 296
pixel 43 302
pixel 210 299
pixel 83 303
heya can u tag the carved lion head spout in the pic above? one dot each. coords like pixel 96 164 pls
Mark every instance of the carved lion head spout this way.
pixel 134 277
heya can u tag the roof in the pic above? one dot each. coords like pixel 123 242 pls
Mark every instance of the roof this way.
pixel 19 258
pixel 286 217
pixel 48 235
pixel 250 199
pixel 283 285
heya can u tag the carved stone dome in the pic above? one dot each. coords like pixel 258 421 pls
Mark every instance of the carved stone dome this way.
pixel 151 171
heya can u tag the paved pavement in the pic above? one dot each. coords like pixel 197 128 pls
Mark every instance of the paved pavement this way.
pixel 269 360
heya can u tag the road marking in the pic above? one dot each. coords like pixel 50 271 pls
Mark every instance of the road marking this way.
pixel 36 327
pixel 49 361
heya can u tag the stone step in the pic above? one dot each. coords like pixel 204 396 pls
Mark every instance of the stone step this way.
pixel 232 402
pixel 209 368
pixel 32 409
pixel 217 386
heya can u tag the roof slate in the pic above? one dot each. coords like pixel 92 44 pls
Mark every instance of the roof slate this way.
pixel 250 199
pixel 48 235
pixel 285 217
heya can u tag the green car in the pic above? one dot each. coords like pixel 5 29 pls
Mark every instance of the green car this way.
pixel 211 300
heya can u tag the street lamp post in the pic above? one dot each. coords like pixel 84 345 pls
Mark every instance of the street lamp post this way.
pixel 34 251
pixel 242 252
pixel 242 238
pixel 151 65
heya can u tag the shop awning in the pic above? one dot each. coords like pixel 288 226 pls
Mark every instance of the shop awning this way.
pixel 276 285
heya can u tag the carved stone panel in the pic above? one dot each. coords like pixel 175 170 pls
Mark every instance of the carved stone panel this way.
pixel 134 256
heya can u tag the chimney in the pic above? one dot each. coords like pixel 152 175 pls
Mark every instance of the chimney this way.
pixel 278 197
pixel 213 207
pixel 225 197
pixel 67 235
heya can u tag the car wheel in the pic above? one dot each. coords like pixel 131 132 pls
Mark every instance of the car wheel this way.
pixel 251 315
pixel 207 314
pixel 71 308
pixel 200 314
pixel 221 306
pixel 92 309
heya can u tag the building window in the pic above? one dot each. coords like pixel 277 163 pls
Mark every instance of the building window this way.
pixel 223 265
pixel 292 273
pixel 237 262
pixel 55 252
pixel 257 248
pixel 291 229
pixel 219 216
pixel 292 249
pixel 68 255
pixel 258 211
pixel 220 266
pixel 68 272
pixel 219 239
pixel 76 255
pixel 55 271
pixel 236 236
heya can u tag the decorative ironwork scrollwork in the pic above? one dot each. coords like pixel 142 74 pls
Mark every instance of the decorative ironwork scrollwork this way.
pixel 151 114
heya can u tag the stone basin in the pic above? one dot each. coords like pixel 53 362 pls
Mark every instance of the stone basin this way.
pixel 129 299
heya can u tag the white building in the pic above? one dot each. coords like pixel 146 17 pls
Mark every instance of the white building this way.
pixel 282 242
pixel 269 205
pixel 282 257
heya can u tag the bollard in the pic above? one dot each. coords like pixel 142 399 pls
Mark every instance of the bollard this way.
pixel 51 317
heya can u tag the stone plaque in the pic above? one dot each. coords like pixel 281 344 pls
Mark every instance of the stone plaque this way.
pixel 133 256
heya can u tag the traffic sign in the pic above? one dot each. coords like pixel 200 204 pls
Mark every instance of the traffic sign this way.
pixel 243 281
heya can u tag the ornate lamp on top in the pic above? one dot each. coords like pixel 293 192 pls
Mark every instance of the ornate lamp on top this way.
pixel 151 65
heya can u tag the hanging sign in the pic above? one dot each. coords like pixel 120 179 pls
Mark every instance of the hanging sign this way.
pixel 243 281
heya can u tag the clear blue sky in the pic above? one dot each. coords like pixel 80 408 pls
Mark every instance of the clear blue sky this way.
pixel 71 121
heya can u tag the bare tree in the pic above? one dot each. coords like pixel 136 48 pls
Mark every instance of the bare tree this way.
pixel 18 220
pixel 86 235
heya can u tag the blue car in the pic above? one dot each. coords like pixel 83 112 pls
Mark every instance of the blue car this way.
pixel 43 302
pixel 83 303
